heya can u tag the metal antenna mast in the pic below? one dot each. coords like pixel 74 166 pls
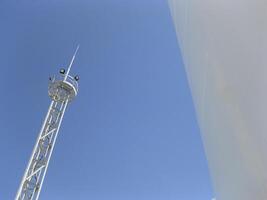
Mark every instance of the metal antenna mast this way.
pixel 61 90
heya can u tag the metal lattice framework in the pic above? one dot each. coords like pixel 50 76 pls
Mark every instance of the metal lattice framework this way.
pixel 61 91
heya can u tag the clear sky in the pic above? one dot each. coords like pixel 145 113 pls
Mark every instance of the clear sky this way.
pixel 131 133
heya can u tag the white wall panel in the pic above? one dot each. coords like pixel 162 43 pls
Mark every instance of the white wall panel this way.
pixel 224 47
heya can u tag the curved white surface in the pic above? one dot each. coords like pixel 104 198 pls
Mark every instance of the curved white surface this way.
pixel 224 47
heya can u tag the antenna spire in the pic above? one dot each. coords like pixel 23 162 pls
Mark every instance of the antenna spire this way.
pixel 71 62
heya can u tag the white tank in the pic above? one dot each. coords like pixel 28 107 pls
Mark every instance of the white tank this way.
pixel 224 48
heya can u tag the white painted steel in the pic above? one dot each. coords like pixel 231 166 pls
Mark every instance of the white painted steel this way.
pixel 35 173
pixel 52 148
pixel 70 65
pixel 32 155
pixel 224 48
pixel 61 92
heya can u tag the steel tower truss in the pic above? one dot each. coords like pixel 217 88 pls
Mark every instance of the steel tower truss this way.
pixel 61 91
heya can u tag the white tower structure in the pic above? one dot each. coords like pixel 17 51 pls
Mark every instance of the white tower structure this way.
pixel 61 90
pixel 224 48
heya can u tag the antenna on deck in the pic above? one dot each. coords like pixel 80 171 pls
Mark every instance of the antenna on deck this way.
pixel 71 62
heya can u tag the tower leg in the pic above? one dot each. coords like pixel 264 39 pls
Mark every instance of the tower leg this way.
pixel 35 172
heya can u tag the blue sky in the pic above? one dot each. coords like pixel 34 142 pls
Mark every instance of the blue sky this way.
pixel 131 133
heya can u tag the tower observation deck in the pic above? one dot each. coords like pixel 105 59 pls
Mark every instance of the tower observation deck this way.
pixel 62 90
